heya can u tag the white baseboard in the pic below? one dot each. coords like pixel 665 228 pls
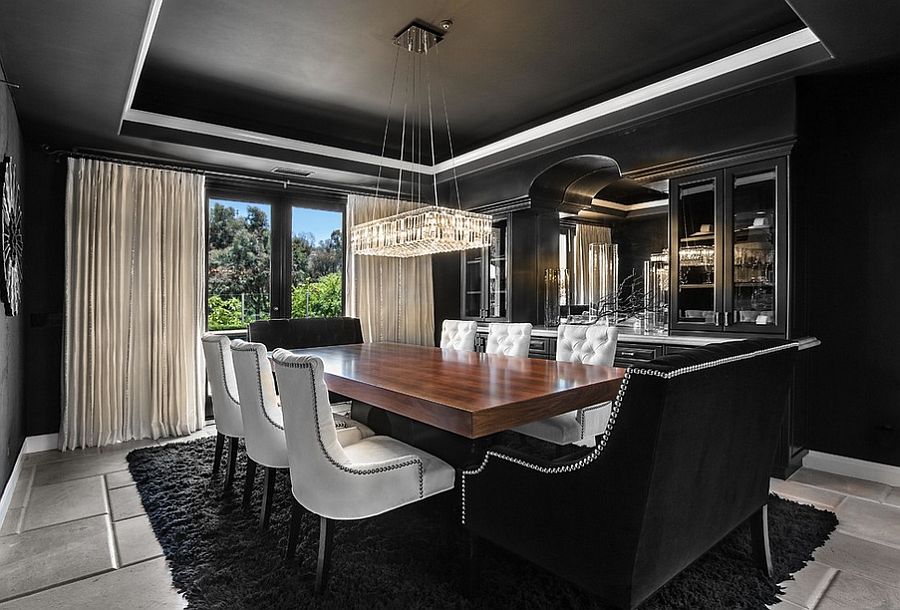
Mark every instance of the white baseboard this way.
pixel 851 467
pixel 10 488
pixel 44 442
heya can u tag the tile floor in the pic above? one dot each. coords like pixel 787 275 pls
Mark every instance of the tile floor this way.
pixel 76 535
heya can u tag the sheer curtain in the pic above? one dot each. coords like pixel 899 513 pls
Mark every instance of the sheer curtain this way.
pixel 392 297
pixel 585 235
pixel 135 240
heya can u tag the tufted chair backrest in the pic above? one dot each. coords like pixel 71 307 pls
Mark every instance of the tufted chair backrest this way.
pixel 220 373
pixel 260 412
pixel 509 339
pixel 458 335
pixel 588 344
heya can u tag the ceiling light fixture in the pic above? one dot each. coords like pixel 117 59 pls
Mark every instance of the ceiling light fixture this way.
pixel 429 228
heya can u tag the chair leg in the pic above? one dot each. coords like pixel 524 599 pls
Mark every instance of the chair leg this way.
pixel 268 492
pixel 294 531
pixel 232 462
pixel 220 444
pixel 759 539
pixel 249 482
pixel 323 564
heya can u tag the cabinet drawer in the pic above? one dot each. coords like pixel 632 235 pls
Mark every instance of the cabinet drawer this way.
pixel 636 353
pixel 540 347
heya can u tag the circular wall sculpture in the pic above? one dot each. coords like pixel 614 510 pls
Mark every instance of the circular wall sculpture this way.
pixel 11 239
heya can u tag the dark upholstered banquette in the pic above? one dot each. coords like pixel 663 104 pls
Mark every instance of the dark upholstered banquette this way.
pixel 297 333
pixel 684 461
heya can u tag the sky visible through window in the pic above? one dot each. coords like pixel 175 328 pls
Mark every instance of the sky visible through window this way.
pixel 304 220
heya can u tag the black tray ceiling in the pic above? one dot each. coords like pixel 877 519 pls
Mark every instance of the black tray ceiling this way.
pixel 320 71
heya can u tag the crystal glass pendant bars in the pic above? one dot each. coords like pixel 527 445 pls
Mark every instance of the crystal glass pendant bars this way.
pixel 428 229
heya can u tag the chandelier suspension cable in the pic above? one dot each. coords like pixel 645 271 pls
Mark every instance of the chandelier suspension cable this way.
pixel 431 123
pixel 437 55
pixel 387 122
pixel 403 139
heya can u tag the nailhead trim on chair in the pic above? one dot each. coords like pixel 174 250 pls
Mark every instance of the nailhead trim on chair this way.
pixel 359 471
pixel 604 439
pixel 251 347
pixel 222 360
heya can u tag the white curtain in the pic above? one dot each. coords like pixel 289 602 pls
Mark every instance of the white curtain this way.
pixel 392 297
pixel 585 235
pixel 135 241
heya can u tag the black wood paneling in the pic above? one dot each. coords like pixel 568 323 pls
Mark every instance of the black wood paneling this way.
pixel 845 167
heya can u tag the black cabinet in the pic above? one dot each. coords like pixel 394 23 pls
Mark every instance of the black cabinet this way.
pixel 485 274
pixel 729 249
pixel 504 283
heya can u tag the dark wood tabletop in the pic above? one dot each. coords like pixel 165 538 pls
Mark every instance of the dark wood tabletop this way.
pixel 467 393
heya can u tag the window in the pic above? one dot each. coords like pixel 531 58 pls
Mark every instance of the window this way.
pixel 317 256
pixel 273 255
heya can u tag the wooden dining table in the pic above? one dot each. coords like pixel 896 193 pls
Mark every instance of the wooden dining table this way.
pixel 446 401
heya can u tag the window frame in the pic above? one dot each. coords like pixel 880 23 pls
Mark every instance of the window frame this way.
pixel 282 202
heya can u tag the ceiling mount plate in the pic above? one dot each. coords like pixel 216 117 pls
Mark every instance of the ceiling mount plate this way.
pixel 418 37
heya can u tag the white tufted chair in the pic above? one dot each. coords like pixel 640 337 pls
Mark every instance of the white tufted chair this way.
pixel 367 478
pixel 509 339
pixel 226 406
pixel 458 335
pixel 263 423
pixel 594 344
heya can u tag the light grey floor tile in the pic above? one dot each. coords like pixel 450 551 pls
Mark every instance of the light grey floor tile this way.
pixel 51 555
pixel 848 590
pixel 893 497
pixel 808 585
pixel 55 455
pixel 120 478
pixel 784 605
pixel 78 468
pixel 66 501
pixel 135 540
pixel 125 503
pixel 11 521
pixel 144 586
pixel 128 446
pixel 869 559
pixel 842 484
pixel 820 498
pixel 20 495
pixel 870 520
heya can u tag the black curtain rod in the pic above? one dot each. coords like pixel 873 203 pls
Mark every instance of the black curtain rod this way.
pixel 283 183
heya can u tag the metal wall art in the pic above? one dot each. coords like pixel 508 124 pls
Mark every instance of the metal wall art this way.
pixel 11 239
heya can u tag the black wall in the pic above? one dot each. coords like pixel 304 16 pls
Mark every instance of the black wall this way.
pixel 12 329
pixel 45 295
pixel 845 167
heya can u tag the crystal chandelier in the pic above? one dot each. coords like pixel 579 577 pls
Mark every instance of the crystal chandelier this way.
pixel 427 229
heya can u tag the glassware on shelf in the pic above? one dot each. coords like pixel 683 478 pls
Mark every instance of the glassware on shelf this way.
pixel 554 287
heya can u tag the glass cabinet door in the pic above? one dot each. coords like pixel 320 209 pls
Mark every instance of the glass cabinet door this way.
pixel 473 280
pixel 496 272
pixel 695 282
pixel 754 202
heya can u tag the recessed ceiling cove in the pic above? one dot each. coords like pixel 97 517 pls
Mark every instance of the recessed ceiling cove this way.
pixel 320 71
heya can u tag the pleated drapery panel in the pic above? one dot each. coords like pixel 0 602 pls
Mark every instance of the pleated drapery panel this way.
pixel 135 240
pixel 392 297
pixel 585 235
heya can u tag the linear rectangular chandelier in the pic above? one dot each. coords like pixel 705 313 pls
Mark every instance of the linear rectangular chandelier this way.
pixel 428 229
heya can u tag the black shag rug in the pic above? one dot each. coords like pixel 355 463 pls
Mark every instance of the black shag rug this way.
pixel 410 558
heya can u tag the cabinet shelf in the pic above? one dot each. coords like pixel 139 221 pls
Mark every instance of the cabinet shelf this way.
pixel 710 285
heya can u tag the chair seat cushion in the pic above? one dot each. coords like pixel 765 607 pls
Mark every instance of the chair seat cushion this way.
pixel 560 429
pixel 438 475
pixel 350 431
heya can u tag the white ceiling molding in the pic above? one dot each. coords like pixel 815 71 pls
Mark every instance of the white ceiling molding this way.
pixel 737 61
pixel 143 48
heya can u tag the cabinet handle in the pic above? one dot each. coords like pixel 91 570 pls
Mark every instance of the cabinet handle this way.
pixel 627 354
